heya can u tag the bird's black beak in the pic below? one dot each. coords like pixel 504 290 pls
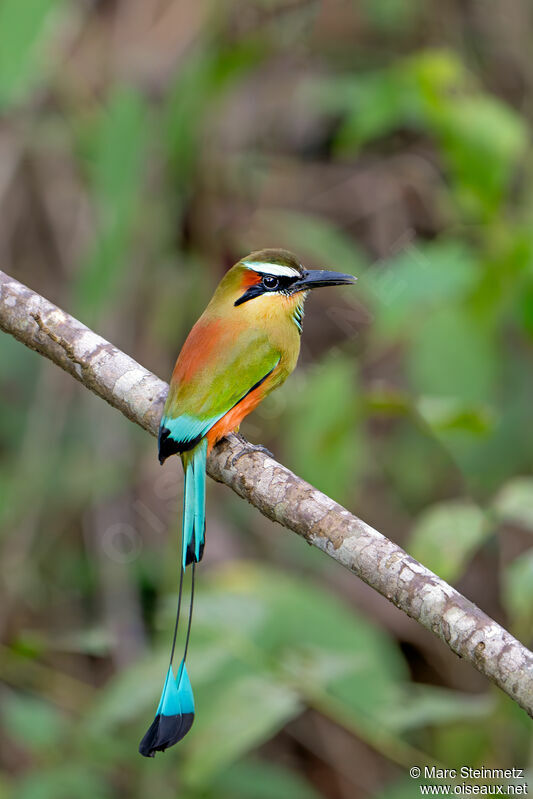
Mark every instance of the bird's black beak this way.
pixel 317 278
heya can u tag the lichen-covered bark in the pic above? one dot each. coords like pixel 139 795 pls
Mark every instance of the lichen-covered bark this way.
pixel 88 357
pixel 278 494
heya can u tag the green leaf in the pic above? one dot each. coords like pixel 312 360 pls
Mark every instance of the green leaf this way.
pixel 416 463
pixel 95 641
pixel 432 92
pixel 524 302
pixel 247 712
pixel 225 610
pixel 301 615
pixel 421 705
pixel 63 782
pixel 313 666
pixel 446 536
pixel 518 592
pixel 476 131
pixel 403 788
pixel 23 26
pixel 392 16
pixel 203 78
pixel 453 355
pixel 257 780
pixel 407 94
pixel 321 428
pixel 447 414
pixel 132 692
pixel 20 368
pixel 315 643
pixel 116 177
pixel 373 106
pixel 34 724
pixel 514 502
pixel 408 287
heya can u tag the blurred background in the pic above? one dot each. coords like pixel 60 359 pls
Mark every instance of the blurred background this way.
pixel 145 146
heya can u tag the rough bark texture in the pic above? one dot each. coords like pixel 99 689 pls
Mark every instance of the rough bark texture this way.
pixel 278 493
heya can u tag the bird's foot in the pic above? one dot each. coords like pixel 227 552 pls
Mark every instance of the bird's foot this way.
pixel 248 449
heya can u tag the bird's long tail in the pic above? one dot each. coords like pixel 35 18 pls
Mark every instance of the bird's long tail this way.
pixel 175 712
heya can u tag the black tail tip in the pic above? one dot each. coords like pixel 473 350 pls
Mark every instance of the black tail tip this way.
pixel 165 731
pixel 190 556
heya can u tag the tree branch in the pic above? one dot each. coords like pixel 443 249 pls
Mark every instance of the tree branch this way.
pixel 278 494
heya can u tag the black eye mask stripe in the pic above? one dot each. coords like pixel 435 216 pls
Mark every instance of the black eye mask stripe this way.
pixel 284 283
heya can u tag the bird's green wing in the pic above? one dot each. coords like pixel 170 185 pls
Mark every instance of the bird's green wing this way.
pixel 233 369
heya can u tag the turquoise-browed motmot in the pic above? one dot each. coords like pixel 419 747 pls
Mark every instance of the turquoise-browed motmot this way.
pixel 245 344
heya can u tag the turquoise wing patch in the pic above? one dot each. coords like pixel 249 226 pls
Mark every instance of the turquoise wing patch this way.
pixel 183 433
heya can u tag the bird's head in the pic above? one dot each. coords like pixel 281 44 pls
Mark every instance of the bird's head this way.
pixel 272 281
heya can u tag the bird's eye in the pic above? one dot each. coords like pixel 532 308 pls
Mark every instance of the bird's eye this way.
pixel 270 282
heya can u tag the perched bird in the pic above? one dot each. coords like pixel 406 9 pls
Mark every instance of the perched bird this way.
pixel 245 344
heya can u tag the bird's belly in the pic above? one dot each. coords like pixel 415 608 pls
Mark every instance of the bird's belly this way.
pixel 231 421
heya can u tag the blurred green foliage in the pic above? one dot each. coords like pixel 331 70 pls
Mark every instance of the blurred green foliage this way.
pixel 115 144
pixel 22 29
pixel 145 149
pixel 461 524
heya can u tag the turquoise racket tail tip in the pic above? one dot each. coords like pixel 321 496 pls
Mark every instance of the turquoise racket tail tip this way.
pixel 174 715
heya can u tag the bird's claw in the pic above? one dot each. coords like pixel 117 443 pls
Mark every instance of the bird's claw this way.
pixel 248 449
